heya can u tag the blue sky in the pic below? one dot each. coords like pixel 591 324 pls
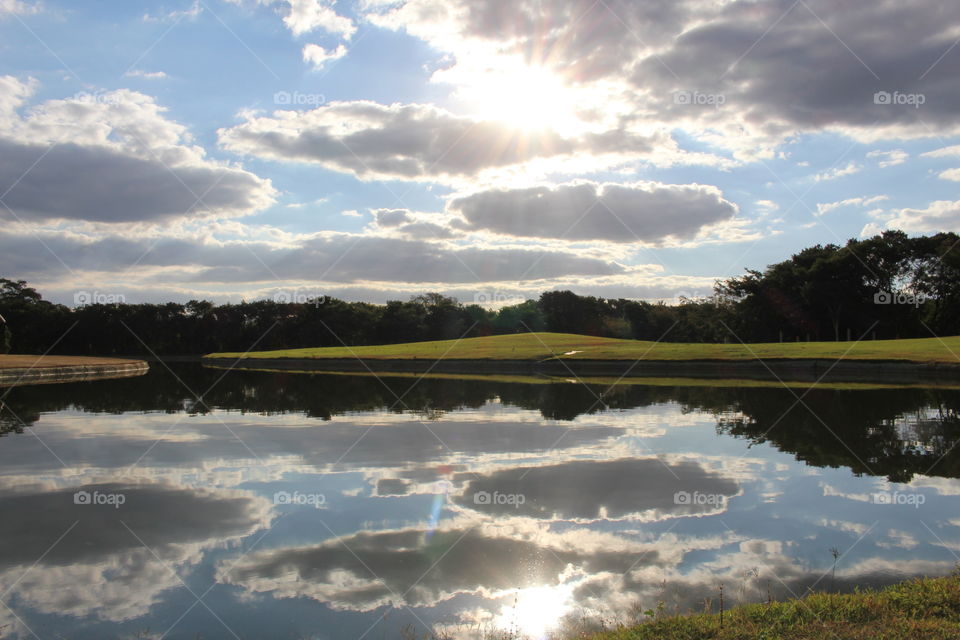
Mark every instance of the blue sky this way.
pixel 242 149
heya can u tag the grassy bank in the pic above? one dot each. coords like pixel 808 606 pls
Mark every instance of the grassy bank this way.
pixel 923 609
pixel 542 346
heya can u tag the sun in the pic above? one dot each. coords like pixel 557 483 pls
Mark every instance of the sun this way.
pixel 523 97
pixel 535 611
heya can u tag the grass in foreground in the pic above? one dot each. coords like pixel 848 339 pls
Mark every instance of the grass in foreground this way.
pixel 543 346
pixel 924 609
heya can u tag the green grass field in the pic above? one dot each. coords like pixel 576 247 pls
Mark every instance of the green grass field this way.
pixel 925 609
pixel 543 346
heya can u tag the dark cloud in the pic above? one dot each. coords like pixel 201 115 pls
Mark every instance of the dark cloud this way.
pixel 364 570
pixel 338 258
pixel 391 217
pixel 76 182
pixel 160 515
pixel 409 141
pixel 592 489
pixel 780 66
pixel 591 211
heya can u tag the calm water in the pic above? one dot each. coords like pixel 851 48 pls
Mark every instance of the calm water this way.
pixel 313 506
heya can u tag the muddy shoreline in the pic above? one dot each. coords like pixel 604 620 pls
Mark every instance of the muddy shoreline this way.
pixel 14 370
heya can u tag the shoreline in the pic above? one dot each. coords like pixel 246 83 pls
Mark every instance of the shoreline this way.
pixel 804 370
pixel 16 369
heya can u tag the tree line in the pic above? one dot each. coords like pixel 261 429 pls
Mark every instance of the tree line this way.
pixel 887 286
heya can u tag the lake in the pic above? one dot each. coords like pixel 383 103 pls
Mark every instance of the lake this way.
pixel 286 505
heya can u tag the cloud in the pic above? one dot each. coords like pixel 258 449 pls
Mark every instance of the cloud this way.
pixel 318 56
pixel 146 75
pixel 889 158
pixel 100 568
pixel 950 174
pixel 18 7
pixel 826 207
pixel 391 217
pixel 417 141
pixel 647 212
pixel 590 490
pixel 190 13
pixel 330 257
pixel 304 16
pixel 366 569
pixel 308 15
pixel 762 64
pixel 113 157
pixel 942 215
pixel 943 152
pixel 838 172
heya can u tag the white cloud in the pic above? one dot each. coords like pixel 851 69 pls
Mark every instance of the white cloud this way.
pixel 838 172
pixel 308 15
pixel 318 56
pixel 950 174
pixel 943 152
pixel 147 75
pixel 113 157
pixel 942 215
pixel 189 13
pixel 18 7
pixel 304 16
pixel 889 158
pixel 826 207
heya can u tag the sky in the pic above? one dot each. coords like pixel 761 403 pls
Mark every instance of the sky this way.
pixel 376 149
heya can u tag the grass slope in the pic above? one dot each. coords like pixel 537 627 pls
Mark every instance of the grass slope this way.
pixel 542 346
pixel 925 609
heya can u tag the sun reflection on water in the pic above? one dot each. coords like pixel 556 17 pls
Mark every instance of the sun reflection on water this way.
pixel 536 611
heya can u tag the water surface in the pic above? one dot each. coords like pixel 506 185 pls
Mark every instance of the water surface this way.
pixel 283 505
